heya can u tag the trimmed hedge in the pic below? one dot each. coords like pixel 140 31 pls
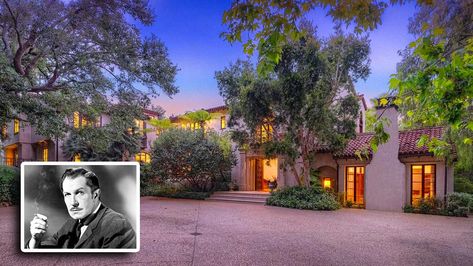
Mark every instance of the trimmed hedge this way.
pixel 9 185
pixel 158 190
pixel 309 198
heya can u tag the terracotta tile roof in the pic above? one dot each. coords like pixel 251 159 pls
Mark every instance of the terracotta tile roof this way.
pixel 217 109
pixel 362 140
pixel 407 142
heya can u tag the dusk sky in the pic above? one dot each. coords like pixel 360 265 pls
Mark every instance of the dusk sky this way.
pixel 190 30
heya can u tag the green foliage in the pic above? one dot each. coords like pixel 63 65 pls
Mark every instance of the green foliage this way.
pixel 299 105
pixel 463 184
pixel 196 163
pixel 113 141
pixel 9 185
pixel 434 80
pixel 57 57
pixel 271 25
pixel 161 190
pixel 457 204
pixel 303 198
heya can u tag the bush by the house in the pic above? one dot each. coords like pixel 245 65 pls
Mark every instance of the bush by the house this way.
pixel 9 185
pixel 311 198
pixel 169 191
pixel 456 204
pixel 459 204
pixel 196 161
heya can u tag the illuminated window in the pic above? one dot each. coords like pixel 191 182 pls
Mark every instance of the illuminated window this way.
pixel 354 184
pixel 328 182
pixel 98 121
pixel 143 157
pixel 223 122
pixel 76 120
pixel 423 182
pixel 16 126
pixel 76 158
pixel 84 121
pixel 140 124
pixel 45 153
pixel 264 133
pixel 4 131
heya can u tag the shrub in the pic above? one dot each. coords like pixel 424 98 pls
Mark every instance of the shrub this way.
pixel 311 198
pixel 194 160
pixel 163 190
pixel 408 208
pixel 459 204
pixel 9 185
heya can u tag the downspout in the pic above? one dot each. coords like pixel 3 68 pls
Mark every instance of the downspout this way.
pixel 338 181
pixel 57 149
pixel 445 183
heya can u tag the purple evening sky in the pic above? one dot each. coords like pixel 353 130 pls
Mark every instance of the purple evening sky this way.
pixel 190 30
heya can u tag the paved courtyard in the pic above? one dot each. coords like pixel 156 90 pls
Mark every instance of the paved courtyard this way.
pixel 188 232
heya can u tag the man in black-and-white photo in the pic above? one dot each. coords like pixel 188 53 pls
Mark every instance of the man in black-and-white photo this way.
pixel 91 224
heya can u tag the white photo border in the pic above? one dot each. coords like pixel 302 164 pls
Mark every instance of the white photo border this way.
pixel 85 250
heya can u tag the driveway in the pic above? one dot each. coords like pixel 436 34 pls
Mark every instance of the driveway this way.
pixel 189 232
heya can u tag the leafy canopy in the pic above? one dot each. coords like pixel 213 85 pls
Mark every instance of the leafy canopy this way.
pixel 57 57
pixel 271 24
pixel 306 102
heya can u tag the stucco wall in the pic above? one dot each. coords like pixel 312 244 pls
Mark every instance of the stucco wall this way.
pixel 440 176
pixel 384 176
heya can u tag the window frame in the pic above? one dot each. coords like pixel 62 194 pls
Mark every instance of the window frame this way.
pixel 223 122
pixel 16 126
pixel 354 183
pixel 434 167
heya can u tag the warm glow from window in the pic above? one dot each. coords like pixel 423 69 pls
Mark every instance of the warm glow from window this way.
pixel 16 126
pixel 143 157
pixel 45 154
pixel 423 182
pixel 355 184
pixel 76 120
pixel 140 124
pixel 223 122
pixel 76 158
pixel 265 133
pixel 4 131
pixel 327 182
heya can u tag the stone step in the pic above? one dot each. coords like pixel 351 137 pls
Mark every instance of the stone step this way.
pixel 241 200
pixel 246 195
pixel 240 196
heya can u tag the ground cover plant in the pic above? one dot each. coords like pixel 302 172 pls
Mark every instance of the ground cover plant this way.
pixel 9 185
pixel 310 198
pixel 456 204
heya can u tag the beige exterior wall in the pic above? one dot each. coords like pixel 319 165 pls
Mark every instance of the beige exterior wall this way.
pixel 384 176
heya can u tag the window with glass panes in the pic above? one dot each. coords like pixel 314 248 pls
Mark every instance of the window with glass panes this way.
pixel 422 182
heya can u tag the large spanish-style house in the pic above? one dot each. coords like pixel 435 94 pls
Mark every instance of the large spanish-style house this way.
pixel 21 143
pixel 398 173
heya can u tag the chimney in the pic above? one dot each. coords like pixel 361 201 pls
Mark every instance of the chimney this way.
pixel 385 174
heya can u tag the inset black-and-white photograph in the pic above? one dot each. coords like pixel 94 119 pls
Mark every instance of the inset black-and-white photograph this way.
pixel 80 207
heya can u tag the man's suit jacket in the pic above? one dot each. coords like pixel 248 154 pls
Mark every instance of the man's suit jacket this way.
pixel 109 229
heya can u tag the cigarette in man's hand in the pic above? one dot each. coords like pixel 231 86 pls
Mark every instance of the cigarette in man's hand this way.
pixel 42 217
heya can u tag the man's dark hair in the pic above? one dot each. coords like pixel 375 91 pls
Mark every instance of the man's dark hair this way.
pixel 91 178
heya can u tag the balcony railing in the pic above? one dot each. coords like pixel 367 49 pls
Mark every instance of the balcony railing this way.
pixel 11 162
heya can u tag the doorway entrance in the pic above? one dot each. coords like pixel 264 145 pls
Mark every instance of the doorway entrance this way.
pixel 355 184
pixel 261 170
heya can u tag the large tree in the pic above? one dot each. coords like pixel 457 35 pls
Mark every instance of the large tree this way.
pixel 306 102
pixel 57 57
pixel 268 25
pixel 435 79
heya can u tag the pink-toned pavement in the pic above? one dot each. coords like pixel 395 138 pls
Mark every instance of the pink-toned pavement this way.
pixel 188 232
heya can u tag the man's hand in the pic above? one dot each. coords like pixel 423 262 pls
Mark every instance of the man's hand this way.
pixel 38 227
